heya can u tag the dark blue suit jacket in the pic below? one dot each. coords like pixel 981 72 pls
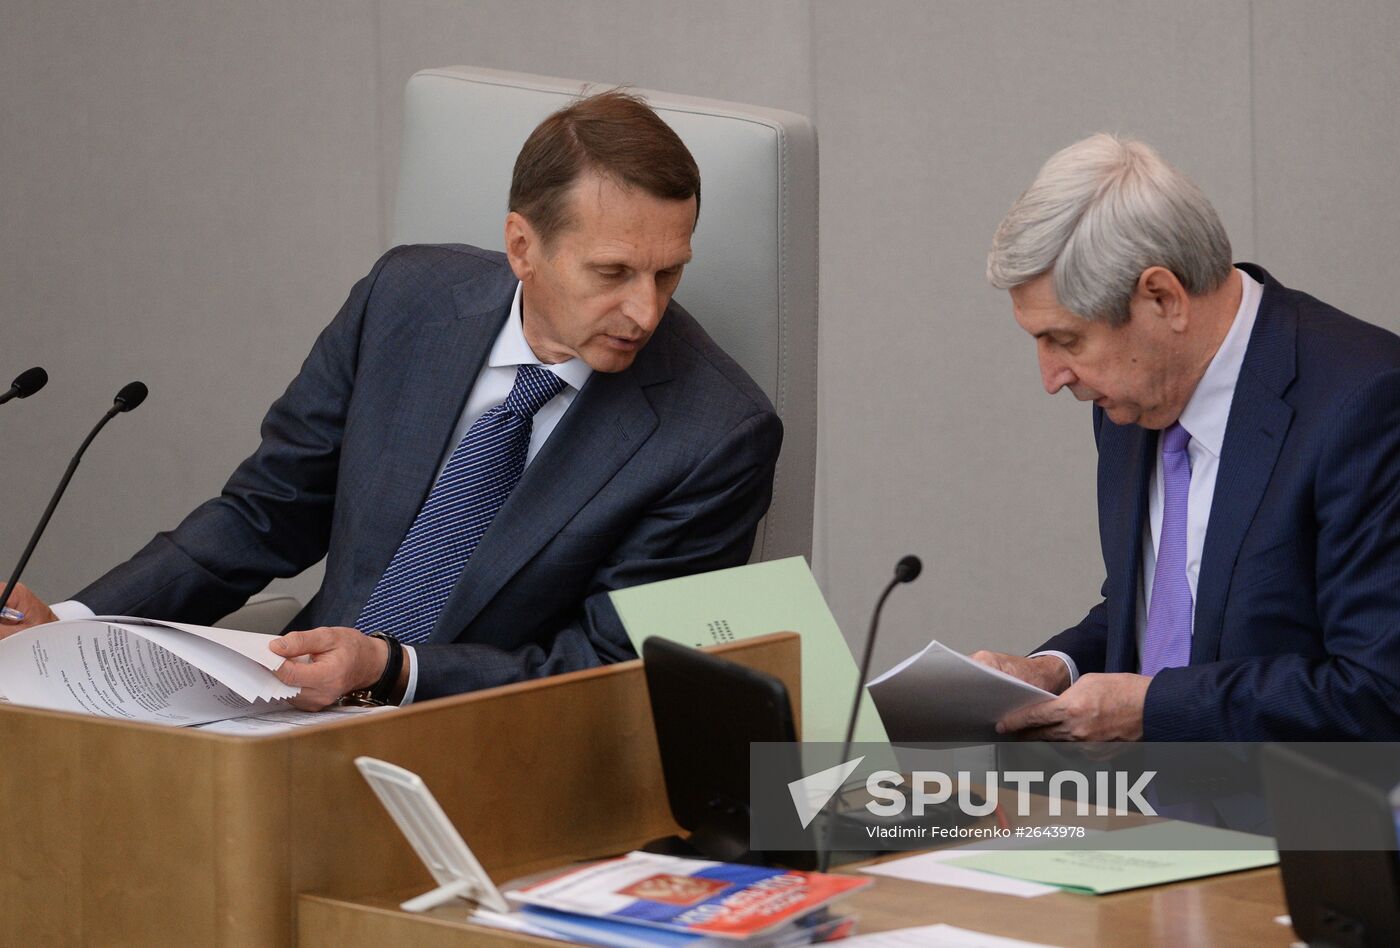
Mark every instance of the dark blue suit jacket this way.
pixel 1297 628
pixel 658 471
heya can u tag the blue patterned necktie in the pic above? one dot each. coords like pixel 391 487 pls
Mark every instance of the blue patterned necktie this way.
pixel 1167 642
pixel 483 470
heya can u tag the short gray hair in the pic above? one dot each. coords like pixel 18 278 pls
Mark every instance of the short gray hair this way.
pixel 1098 214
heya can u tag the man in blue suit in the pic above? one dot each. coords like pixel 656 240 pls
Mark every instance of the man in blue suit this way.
pixel 1248 475
pixel 483 445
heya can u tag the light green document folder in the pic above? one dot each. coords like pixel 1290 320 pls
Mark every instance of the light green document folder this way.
pixel 1140 857
pixel 747 601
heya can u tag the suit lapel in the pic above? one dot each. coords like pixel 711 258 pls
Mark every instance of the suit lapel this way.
pixel 1259 420
pixel 606 424
pixel 446 357
pixel 1125 478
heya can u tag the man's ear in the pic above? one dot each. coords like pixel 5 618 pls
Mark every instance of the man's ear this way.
pixel 1159 293
pixel 521 244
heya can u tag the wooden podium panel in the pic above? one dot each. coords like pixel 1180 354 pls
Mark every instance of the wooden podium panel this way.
pixel 117 833
pixel 1232 909
pixel 1226 911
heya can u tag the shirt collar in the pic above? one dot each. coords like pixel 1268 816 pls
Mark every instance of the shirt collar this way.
pixel 511 349
pixel 1208 410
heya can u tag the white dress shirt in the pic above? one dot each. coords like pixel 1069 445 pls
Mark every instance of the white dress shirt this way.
pixel 1204 418
pixel 493 383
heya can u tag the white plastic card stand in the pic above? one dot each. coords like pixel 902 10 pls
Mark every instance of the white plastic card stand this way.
pixel 433 838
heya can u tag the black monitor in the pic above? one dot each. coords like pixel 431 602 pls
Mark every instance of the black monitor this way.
pixel 1337 896
pixel 707 712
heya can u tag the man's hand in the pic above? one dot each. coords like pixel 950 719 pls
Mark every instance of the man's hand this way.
pixel 1043 671
pixel 36 611
pixel 1094 708
pixel 342 660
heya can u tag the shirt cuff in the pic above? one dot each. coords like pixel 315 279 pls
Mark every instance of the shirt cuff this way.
pixel 71 609
pixel 412 658
pixel 1069 663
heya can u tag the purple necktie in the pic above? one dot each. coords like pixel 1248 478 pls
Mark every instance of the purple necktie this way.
pixel 1167 643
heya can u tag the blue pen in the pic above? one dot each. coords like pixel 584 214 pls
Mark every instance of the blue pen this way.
pixel 14 615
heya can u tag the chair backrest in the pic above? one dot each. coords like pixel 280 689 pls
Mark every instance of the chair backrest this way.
pixel 753 283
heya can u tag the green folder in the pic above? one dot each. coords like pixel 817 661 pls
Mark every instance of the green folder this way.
pixel 747 601
pixel 1140 857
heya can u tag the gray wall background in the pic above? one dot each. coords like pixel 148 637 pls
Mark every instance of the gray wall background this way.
pixel 188 190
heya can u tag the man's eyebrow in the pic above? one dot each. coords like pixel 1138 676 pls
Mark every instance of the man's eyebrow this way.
pixel 605 262
pixel 608 261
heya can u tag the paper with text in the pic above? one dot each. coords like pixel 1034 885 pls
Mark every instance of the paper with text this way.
pixel 138 670
pixel 288 719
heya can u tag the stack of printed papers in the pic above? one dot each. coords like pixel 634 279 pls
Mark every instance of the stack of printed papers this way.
pixel 142 670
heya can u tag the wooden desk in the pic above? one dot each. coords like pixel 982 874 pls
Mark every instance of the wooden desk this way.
pixel 1228 910
pixel 115 833
pixel 1232 910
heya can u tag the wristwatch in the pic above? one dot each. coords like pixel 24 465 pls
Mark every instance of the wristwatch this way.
pixel 379 693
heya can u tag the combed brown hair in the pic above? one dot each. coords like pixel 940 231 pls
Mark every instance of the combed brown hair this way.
pixel 613 133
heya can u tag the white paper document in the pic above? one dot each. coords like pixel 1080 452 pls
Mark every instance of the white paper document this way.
pixel 142 670
pixel 942 695
pixel 932 868
pixel 288 719
pixel 511 922
pixel 936 936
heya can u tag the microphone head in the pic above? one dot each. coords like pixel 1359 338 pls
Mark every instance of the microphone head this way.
pixel 131 395
pixel 29 381
pixel 907 569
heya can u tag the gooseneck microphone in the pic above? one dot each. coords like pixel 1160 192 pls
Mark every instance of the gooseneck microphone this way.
pixel 905 571
pixel 131 395
pixel 25 384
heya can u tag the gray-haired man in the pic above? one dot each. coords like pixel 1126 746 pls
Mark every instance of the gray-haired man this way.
pixel 1249 470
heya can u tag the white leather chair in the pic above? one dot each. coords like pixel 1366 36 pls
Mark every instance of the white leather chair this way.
pixel 753 282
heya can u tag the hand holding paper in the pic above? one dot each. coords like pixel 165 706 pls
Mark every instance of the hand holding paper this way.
pixel 338 661
pixel 942 695
pixel 1044 671
pixel 1094 708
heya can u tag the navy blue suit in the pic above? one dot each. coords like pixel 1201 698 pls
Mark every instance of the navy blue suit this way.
pixel 658 471
pixel 1297 621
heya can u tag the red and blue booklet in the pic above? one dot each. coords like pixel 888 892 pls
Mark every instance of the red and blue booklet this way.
pixel 814 928
pixel 698 898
